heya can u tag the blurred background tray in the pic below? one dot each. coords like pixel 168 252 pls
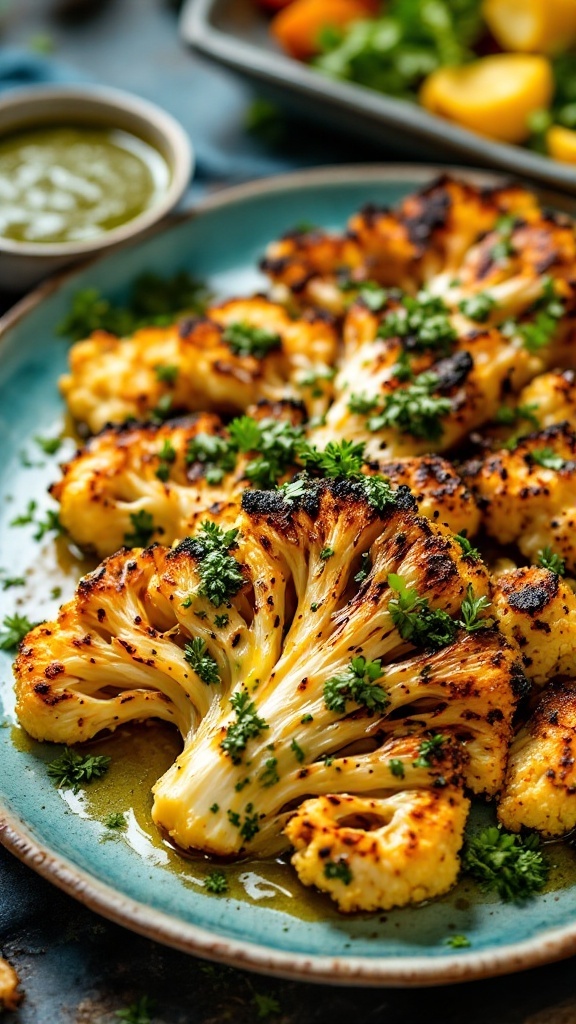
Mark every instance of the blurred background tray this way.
pixel 234 33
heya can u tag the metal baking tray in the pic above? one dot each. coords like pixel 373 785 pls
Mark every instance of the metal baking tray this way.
pixel 234 33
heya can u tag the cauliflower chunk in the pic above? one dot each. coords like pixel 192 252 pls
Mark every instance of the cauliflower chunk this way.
pixel 242 351
pixel 129 470
pixel 425 237
pixel 528 495
pixel 552 398
pixel 375 853
pixel 438 489
pixel 215 636
pixel 537 610
pixel 540 790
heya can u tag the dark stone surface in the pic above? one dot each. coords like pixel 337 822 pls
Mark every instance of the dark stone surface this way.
pixel 75 967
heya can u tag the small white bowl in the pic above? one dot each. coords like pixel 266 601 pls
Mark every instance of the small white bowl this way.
pixel 23 264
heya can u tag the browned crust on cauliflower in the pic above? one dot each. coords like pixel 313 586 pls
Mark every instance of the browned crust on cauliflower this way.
pixel 540 790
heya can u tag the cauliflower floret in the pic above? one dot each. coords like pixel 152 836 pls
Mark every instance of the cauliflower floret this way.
pixel 9 995
pixel 551 398
pixel 445 400
pixel 537 610
pixel 528 495
pixel 172 474
pixel 243 350
pixel 438 489
pixel 375 853
pixel 540 790
pixel 427 236
pixel 131 470
pixel 215 635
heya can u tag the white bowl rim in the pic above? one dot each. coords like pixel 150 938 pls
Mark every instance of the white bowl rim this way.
pixel 181 168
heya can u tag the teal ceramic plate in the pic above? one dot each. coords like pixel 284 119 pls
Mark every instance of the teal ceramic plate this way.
pixel 267 922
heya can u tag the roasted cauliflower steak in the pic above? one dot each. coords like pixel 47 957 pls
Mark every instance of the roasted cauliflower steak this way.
pixel 215 636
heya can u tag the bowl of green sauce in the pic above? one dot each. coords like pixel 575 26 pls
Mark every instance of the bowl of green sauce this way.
pixel 82 170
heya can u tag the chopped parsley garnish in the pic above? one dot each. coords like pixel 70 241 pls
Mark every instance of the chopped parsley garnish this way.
pixel 71 769
pixel 467 549
pixel 547 458
pixel 423 321
pixel 509 415
pixel 365 568
pixel 115 821
pixel 7 582
pixel 247 726
pixel 269 776
pixel 402 368
pixel 396 766
pixel 139 1012
pixel 214 453
pixel 166 373
pixel 143 529
pixel 414 409
pixel 265 1005
pixel 326 553
pixel 16 627
pixel 153 300
pixel 503 248
pixel 297 751
pixel 306 718
pixel 275 442
pixel 162 409
pixel 430 751
pixel 339 458
pixel 25 517
pixel 415 620
pixel 245 340
pixel 478 307
pixel 338 869
pixel 293 490
pixel 547 559
pixel 249 826
pixel 362 405
pixel 220 621
pixel 314 378
pixel 458 942
pixel 379 494
pixel 220 574
pixel 49 524
pixel 548 310
pixel 216 882
pixel 470 611
pixel 356 684
pixel 511 865
pixel 214 808
pixel 49 445
pixel 203 663
pixel 166 455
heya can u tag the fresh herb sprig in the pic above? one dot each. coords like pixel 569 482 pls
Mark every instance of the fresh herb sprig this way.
pixel 357 684
pixel 153 300
pixel 15 629
pixel 247 726
pixel 511 865
pixel 204 665
pixel 71 770
pixel 220 574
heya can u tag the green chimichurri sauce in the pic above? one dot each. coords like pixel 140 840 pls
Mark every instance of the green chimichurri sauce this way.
pixel 71 184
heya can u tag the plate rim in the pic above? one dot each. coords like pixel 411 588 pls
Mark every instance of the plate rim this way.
pixel 198 29
pixel 160 926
